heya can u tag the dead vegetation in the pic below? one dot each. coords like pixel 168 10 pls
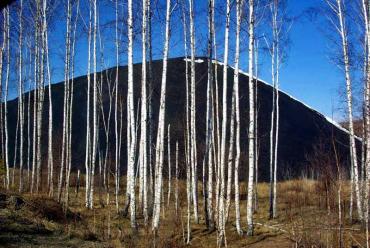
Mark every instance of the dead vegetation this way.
pixel 307 217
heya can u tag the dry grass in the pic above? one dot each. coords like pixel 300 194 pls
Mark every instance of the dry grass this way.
pixel 307 217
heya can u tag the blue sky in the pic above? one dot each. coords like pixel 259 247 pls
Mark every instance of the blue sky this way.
pixel 308 74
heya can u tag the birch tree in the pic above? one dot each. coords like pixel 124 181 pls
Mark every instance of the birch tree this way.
pixel 340 26
pixel 7 38
pixel 239 5
pixel 64 154
pixel 2 51
pixel 50 121
pixel 95 112
pixel 280 26
pixel 169 162
pixel 35 99
pixel 143 133
pixel 88 135
pixel 15 147
pixel 105 117
pixel 193 144
pixel 221 205
pixel 216 135
pixel 70 113
pixel 187 127
pixel 209 123
pixel 117 160
pixel 188 198
pixel 274 131
pixel 20 98
pixel 177 178
pixel 131 121
pixel 150 100
pixel 40 101
pixel 161 120
pixel 29 119
pixel 366 14
pixel 187 118
pixel 256 148
pixel 251 120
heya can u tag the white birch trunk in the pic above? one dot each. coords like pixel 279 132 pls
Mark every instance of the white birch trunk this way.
pixel 272 131
pixel 188 194
pixel 230 159
pixel 50 121
pixel 161 120
pixel 237 116
pixel 40 106
pixel 187 130
pixel 353 150
pixel 71 70
pixel 276 133
pixel 95 114
pixel 143 133
pixel 216 135
pixel 7 37
pixel 28 126
pixel 274 112
pixel 117 161
pixel 88 146
pixel 251 121
pixel 169 162
pixel 35 107
pixel 130 97
pixel 366 138
pixel 209 123
pixel 64 158
pixel 221 205
pixel 256 128
pixel 20 99
pixel 2 50
pixel 15 146
pixel 177 179
pixel 193 143
pixel 150 112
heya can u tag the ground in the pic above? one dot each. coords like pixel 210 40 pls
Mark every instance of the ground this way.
pixel 307 217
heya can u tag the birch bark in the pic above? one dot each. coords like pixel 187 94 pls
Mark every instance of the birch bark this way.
pixel 2 51
pixel 95 110
pixel 143 133
pixel 169 162
pixel 339 11
pixel 20 99
pixel 366 13
pixel 221 205
pixel 161 120
pixel 130 97
pixel 64 158
pixel 116 127
pixel 50 121
pixel 88 146
pixel 251 121
pixel 7 37
pixel 239 6
pixel 209 128
pixel 193 143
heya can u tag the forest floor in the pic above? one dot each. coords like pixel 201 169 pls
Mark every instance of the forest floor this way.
pixel 307 217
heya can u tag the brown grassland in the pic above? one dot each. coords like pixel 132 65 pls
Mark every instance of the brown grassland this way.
pixel 307 217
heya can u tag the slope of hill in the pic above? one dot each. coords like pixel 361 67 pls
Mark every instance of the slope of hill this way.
pixel 302 129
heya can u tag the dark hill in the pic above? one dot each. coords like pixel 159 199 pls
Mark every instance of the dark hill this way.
pixel 302 129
